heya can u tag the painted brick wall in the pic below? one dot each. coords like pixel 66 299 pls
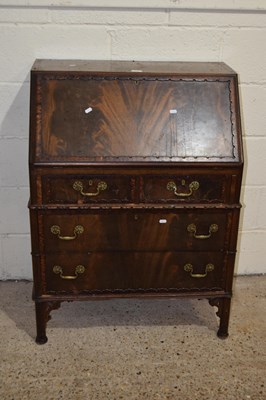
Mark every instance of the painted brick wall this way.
pixel 234 32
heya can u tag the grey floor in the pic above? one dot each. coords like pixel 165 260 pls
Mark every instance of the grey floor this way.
pixel 131 349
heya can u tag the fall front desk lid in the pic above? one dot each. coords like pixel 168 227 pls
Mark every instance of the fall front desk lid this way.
pixel 134 113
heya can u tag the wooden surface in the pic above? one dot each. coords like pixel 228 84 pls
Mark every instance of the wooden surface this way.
pixel 135 230
pixel 132 67
pixel 135 177
pixel 85 119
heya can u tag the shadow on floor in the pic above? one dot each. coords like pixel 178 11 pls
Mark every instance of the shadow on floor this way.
pixel 16 303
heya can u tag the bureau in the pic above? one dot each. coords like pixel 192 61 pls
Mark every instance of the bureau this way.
pixel 135 176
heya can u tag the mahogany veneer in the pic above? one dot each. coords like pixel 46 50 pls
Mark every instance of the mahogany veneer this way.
pixel 135 176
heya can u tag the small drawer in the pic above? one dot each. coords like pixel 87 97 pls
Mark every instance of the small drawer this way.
pixel 188 188
pixel 135 272
pixel 78 189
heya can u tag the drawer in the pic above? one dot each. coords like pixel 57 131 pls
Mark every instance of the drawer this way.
pixel 156 230
pixel 134 271
pixel 80 189
pixel 184 188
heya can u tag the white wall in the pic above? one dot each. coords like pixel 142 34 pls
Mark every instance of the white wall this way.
pixel 193 30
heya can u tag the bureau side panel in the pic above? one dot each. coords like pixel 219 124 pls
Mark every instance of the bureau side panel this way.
pixel 37 247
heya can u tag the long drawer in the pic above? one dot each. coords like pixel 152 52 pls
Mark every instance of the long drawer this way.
pixel 140 230
pixel 135 271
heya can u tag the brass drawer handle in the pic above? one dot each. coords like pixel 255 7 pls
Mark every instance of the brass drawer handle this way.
pixel 78 230
pixel 80 269
pixel 79 187
pixel 193 229
pixel 192 186
pixel 189 268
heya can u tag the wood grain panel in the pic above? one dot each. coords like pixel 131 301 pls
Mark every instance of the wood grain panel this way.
pixel 121 271
pixel 59 189
pixel 139 119
pixel 138 230
pixel 211 188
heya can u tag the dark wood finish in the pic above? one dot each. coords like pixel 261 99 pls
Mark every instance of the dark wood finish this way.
pixel 135 177
pixel 127 230
pixel 134 271
pixel 43 310
pixel 106 67
pixel 59 189
pixel 179 111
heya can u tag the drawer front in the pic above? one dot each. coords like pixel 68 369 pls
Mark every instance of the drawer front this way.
pixel 187 188
pixel 134 271
pixel 90 189
pixel 136 230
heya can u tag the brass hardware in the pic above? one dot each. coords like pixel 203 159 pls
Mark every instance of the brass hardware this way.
pixel 189 268
pixel 80 269
pixel 192 186
pixel 78 230
pixel 79 187
pixel 193 229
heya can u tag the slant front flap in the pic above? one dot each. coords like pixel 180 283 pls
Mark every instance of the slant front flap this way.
pixel 83 118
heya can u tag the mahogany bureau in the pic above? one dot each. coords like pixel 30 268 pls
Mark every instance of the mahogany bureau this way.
pixel 135 176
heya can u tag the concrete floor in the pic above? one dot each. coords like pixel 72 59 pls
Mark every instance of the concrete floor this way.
pixel 131 349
